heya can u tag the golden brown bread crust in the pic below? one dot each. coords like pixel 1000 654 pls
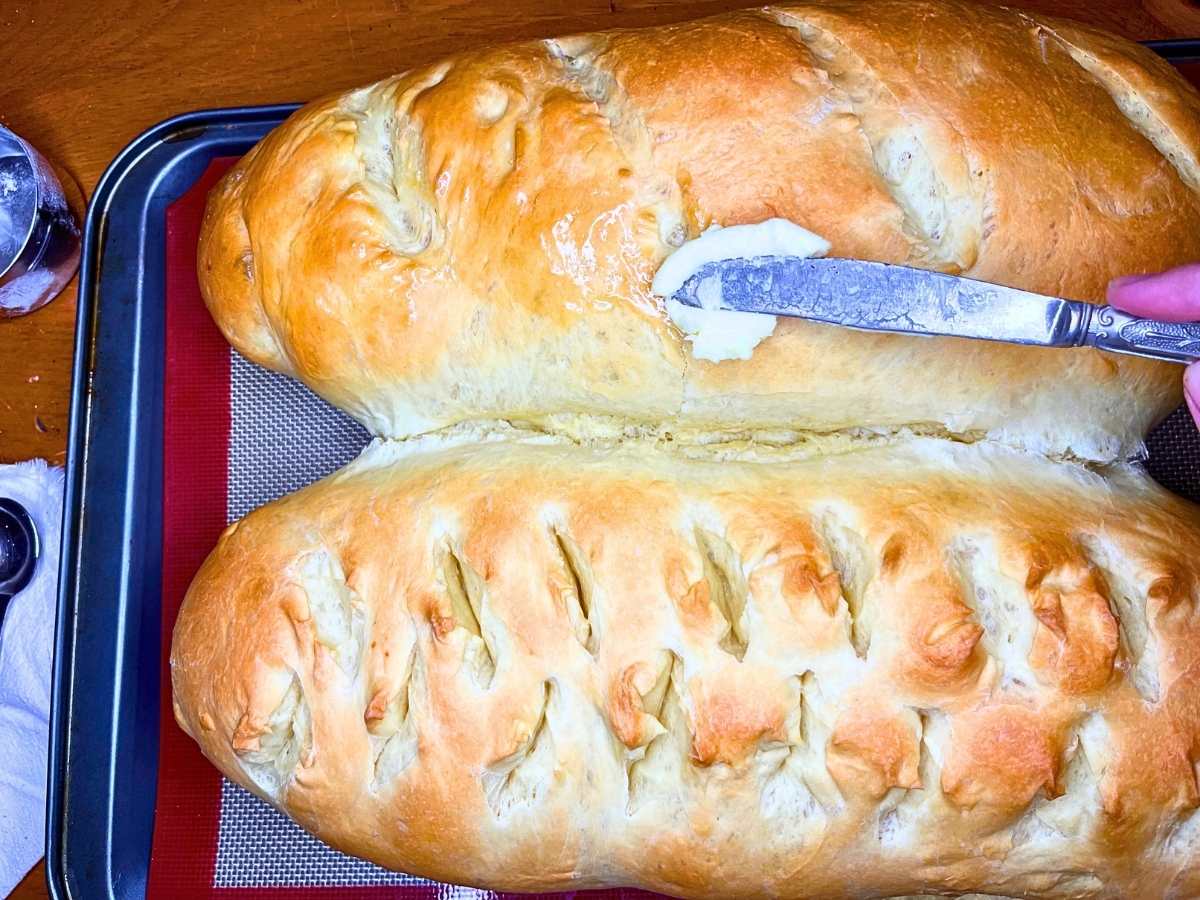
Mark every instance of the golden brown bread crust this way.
pixel 557 662
pixel 534 665
pixel 475 239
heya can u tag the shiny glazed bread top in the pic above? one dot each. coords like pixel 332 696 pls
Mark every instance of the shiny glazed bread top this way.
pixel 475 239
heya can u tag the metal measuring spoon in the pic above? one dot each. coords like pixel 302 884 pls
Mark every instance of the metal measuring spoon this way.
pixel 19 551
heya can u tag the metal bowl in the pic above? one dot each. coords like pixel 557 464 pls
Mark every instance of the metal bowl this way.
pixel 39 235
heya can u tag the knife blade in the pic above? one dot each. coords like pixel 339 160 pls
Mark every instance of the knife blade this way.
pixel 874 296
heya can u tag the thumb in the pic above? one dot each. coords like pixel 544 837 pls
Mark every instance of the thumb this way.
pixel 1191 390
pixel 1171 296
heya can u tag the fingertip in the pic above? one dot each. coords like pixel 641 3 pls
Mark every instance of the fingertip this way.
pixel 1119 289
pixel 1191 384
pixel 1171 296
pixel 1125 280
pixel 1191 391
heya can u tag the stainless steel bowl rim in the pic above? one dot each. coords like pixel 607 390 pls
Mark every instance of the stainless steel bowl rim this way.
pixel 34 241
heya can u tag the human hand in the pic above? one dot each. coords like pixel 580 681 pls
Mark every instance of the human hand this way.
pixel 1171 296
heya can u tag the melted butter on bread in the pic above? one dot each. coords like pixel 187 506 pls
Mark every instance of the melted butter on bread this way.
pixel 717 334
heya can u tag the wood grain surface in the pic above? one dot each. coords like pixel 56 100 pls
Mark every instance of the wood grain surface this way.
pixel 82 79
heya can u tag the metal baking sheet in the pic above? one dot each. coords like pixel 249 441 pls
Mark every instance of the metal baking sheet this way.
pixel 104 723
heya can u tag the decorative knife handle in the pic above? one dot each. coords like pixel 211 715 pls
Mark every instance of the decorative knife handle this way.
pixel 1119 332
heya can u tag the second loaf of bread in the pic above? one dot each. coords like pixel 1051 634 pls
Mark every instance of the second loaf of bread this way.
pixel 476 238
pixel 534 666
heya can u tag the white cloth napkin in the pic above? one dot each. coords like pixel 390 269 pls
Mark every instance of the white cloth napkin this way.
pixel 26 641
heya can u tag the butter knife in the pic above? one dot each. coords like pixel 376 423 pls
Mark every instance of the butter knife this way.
pixel 874 296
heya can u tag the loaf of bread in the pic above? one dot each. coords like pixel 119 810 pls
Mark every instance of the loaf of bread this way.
pixel 475 239
pixel 531 665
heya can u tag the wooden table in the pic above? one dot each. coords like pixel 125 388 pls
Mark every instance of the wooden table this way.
pixel 84 78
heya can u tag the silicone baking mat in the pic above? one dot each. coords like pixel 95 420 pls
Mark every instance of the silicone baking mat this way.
pixel 235 437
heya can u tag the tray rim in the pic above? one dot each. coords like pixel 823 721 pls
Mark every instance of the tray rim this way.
pixel 182 132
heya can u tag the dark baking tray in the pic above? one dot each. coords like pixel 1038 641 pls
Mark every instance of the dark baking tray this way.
pixel 104 723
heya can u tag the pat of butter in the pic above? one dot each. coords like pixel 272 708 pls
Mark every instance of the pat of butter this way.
pixel 718 334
